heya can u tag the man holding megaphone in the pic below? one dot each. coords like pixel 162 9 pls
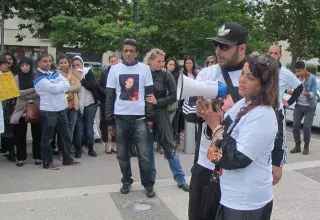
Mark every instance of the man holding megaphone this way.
pixel 231 44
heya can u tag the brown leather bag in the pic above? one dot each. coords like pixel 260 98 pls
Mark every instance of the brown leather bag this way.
pixel 33 113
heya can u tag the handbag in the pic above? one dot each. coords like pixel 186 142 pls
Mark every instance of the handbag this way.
pixel 172 107
pixel 33 114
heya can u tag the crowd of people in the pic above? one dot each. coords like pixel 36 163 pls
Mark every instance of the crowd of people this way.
pixel 235 165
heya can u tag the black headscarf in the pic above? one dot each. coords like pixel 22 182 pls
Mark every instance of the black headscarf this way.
pixel 25 79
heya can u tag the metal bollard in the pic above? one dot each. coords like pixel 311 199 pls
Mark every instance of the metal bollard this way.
pixel 189 138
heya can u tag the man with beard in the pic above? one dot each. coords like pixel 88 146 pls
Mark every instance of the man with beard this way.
pixel 231 45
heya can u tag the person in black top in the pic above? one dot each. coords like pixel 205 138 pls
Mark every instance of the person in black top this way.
pixel 164 94
pixel 109 146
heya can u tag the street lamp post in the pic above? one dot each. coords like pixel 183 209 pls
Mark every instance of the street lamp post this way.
pixel 135 9
pixel 2 27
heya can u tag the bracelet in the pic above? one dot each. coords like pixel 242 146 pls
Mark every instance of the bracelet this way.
pixel 219 127
pixel 219 134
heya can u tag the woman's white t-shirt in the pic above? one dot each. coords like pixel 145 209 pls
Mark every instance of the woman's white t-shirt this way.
pixel 251 188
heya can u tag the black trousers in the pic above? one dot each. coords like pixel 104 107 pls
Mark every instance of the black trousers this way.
pixel 264 213
pixel 164 133
pixel 20 137
pixel 199 179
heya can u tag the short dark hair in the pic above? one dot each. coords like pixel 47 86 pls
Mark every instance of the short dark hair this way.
pixel 43 55
pixel 131 42
pixel 300 65
pixel 62 56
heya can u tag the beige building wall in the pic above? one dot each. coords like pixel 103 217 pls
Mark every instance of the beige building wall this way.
pixel 12 29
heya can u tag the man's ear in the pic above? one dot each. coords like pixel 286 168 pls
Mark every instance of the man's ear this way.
pixel 243 48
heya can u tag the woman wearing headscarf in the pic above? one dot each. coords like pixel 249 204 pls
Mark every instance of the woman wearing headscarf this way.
pixel 164 94
pixel 24 81
pixel 7 141
pixel 88 104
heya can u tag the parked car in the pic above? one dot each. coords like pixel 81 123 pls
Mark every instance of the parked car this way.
pixel 290 109
pixel 92 64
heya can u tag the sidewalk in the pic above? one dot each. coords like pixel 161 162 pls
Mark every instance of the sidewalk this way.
pixel 297 197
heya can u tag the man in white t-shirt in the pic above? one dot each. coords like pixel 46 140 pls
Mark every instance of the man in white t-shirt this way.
pixel 287 80
pixel 128 85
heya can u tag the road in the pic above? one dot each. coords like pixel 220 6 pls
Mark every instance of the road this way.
pixel 91 191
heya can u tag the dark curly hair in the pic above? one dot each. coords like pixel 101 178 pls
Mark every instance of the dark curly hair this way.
pixel 266 70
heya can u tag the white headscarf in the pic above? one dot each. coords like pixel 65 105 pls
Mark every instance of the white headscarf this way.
pixel 82 91
pixel 84 70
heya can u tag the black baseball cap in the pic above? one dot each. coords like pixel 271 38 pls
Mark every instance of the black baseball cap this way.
pixel 231 33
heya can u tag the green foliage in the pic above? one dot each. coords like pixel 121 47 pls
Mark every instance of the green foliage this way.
pixel 41 12
pixel 298 23
pixel 180 28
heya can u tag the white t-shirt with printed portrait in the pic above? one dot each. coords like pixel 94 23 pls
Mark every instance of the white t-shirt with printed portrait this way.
pixel 130 83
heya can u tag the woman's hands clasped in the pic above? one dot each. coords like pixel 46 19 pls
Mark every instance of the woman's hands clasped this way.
pixel 204 109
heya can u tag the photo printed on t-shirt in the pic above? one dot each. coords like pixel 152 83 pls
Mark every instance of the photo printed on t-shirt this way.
pixel 129 84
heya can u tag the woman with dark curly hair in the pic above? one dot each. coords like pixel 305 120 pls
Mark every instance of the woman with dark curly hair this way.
pixel 239 148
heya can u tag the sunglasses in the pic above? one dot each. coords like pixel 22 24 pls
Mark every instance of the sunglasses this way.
pixel 223 47
pixel 130 41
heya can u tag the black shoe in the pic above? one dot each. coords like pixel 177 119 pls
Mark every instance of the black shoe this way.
pixel 37 162
pixel 19 163
pixel 92 153
pixel 78 154
pixel 149 192
pixel 184 187
pixel 297 148
pixel 125 189
pixel 98 140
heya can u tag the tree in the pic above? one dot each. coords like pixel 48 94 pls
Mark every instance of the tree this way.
pixel 298 23
pixel 178 27
pixel 39 12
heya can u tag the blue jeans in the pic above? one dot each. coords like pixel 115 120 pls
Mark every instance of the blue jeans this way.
pixel 174 163
pixel 72 118
pixel 50 120
pixel 72 115
pixel 133 132
pixel 84 125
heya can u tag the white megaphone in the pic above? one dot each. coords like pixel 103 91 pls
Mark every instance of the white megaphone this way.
pixel 188 87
